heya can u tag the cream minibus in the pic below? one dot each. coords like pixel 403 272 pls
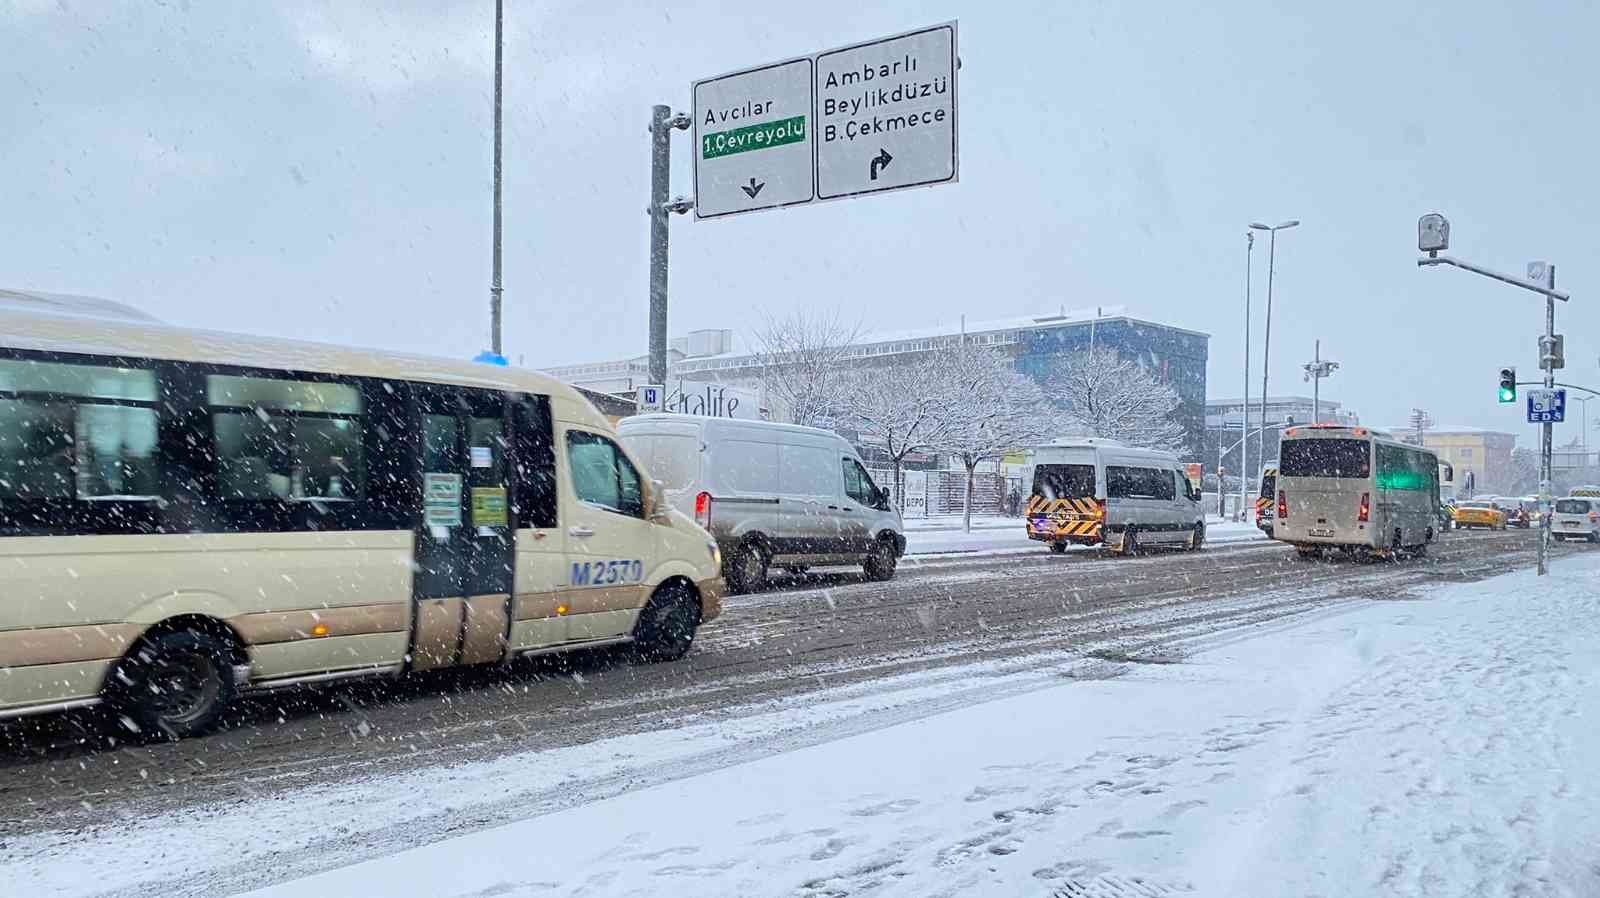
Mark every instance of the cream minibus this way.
pixel 186 516
pixel 1355 489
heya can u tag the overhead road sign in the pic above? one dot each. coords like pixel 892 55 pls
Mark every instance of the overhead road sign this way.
pixel 867 118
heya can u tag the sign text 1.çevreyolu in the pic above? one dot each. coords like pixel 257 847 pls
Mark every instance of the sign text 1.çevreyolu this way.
pixel 753 137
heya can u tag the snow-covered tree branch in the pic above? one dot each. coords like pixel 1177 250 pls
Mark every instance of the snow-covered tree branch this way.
pixel 989 408
pixel 802 359
pixel 1104 394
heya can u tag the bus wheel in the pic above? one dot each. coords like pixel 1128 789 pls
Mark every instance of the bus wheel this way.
pixel 880 561
pixel 173 685
pixel 1197 538
pixel 1058 548
pixel 748 572
pixel 665 629
pixel 1308 553
pixel 1395 547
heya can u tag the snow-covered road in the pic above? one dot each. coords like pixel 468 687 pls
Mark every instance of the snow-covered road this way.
pixel 1443 746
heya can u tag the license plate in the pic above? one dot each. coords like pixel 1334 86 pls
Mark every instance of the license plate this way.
pixel 1321 531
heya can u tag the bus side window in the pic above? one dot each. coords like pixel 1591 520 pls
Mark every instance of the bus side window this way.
pixel 535 460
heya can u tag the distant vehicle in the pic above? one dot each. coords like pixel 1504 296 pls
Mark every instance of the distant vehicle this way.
pixel 1576 518
pixel 770 494
pixel 1482 513
pixel 187 516
pixel 1265 496
pixel 1516 510
pixel 1355 489
pixel 1587 491
pixel 1100 492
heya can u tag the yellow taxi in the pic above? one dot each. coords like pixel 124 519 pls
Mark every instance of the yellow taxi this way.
pixel 1480 513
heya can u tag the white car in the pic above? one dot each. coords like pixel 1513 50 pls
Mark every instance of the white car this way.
pixel 1576 518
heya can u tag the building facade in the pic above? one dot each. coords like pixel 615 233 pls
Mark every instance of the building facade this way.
pixel 1175 355
pixel 1484 453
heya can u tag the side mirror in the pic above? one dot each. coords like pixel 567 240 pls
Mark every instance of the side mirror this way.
pixel 660 511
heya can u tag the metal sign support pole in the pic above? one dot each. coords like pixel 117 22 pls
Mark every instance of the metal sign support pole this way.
pixel 1546 436
pixel 662 121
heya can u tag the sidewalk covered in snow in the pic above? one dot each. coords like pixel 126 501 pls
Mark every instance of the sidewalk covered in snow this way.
pixel 1442 743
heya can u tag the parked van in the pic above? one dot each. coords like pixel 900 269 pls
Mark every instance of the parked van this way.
pixel 1094 491
pixel 770 494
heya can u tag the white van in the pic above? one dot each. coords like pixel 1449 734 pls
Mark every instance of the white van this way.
pixel 1094 491
pixel 1576 517
pixel 771 494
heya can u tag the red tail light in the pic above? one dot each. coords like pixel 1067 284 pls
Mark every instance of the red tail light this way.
pixel 1283 505
pixel 1594 517
pixel 702 510
pixel 1366 508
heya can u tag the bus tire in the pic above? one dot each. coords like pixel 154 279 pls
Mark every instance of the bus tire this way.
pixel 1058 548
pixel 1308 553
pixel 173 685
pixel 667 623
pixel 747 570
pixel 880 561
pixel 1198 538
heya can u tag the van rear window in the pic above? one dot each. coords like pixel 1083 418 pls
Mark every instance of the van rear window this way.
pixel 1064 481
pixel 1325 457
pixel 1572 506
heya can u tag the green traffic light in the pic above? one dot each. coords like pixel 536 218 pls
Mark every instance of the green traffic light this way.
pixel 1508 394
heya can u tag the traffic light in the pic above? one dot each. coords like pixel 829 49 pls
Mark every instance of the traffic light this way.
pixel 1508 385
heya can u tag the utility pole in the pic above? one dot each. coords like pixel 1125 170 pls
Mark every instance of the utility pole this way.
pixel 1433 237
pixel 1547 434
pixel 1316 370
pixel 662 121
pixel 495 289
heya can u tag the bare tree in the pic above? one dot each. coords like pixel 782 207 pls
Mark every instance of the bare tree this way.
pixel 1104 394
pixel 896 408
pixel 989 408
pixel 802 358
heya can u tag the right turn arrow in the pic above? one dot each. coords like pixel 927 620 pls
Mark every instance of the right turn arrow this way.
pixel 879 162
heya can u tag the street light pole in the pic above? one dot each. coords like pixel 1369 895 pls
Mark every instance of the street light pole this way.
pixel 495 290
pixel 1244 411
pixel 1266 348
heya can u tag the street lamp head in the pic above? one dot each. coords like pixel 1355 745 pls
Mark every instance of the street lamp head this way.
pixel 1259 226
pixel 1291 223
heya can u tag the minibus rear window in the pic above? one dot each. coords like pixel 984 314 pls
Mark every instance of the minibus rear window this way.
pixel 1064 481
pixel 1325 457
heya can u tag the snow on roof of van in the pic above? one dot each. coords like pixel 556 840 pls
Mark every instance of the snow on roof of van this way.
pixel 67 304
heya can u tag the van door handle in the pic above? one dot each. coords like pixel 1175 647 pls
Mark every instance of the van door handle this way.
pixel 580 531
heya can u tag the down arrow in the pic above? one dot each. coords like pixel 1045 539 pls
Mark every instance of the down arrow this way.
pixel 752 188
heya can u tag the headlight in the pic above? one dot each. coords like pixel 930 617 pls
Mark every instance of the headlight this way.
pixel 716 555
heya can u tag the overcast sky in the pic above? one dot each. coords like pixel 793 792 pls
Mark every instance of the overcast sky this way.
pixel 322 170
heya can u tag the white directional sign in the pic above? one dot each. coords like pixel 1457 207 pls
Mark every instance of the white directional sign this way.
pixel 886 114
pixel 866 118
pixel 752 136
